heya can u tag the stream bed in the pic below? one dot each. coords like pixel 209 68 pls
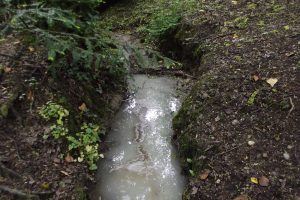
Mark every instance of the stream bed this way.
pixel 141 163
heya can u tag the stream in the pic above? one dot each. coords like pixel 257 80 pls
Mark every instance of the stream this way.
pixel 141 163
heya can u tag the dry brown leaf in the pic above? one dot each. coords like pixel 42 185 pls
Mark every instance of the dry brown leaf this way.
pixel 272 81
pixel 31 49
pixel 204 174
pixel 82 107
pixel 30 96
pixel 263 181
pixel 69 158
pixel 255 78
pixel 7 69
pixel 242 197
pixel 65 173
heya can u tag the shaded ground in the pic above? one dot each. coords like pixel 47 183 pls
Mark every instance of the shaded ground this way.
pixel 31 165
pixel 238 130
pixel 235 124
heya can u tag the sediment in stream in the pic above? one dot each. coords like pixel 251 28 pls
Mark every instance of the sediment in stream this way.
pixel 141 162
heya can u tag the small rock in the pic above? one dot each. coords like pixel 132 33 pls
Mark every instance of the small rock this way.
pixel 235 122
pixel 251 143
pixel 194 190
pixel 217 119
pixel 290 146
pixel 56 160
pixel 218 181
pixel 263 181
pixel 265 155
pixel 286 155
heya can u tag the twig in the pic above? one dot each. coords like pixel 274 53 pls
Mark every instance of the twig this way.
pixel 17 193
pixel 292 108
pixel 4 171
pixel 229 150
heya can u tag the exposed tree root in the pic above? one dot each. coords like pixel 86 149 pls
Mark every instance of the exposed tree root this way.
pixel 17 193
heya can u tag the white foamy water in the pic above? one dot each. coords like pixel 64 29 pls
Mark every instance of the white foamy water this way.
pixel 141 163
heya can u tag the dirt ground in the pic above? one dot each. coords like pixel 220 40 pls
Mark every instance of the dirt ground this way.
pixel 32 166
pixel 240 125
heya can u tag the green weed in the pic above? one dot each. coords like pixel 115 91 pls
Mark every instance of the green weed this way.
pixel 84 143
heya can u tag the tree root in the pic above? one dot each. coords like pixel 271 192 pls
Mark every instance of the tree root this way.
pixel 17 193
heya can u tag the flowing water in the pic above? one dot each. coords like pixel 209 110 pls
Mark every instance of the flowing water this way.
pixel 142 164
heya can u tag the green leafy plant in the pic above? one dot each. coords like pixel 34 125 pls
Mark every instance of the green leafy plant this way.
pixel 241 22
pixel 68 31
pixel 251 99
pixel 84 143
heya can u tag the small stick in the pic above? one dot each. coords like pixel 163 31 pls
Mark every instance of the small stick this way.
pixel 229 150
pixel 292 108
pixel 4 171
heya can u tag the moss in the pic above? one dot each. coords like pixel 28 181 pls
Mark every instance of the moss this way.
pixel 3 111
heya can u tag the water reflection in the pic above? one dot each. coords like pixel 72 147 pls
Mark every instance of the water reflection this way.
pixel 140 165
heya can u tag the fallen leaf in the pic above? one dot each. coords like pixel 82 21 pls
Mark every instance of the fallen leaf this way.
pixel 31 49
pixel 272 81
pixel 255 78
pixel 235 36
pixel 80 159
pixel 287 27
pixel 30 96
pixel 194 190
pixel 192 172
pixel 82 107
pixel 204 174
pixel 241 197
pixel 7 69
pixel 69 158
pixel 45 186
pixel 65 173
pixel 254 180
pixel 263 181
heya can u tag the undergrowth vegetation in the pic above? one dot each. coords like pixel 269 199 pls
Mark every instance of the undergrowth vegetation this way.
pixel 83 144
pixel 68 32
pixel 154 19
